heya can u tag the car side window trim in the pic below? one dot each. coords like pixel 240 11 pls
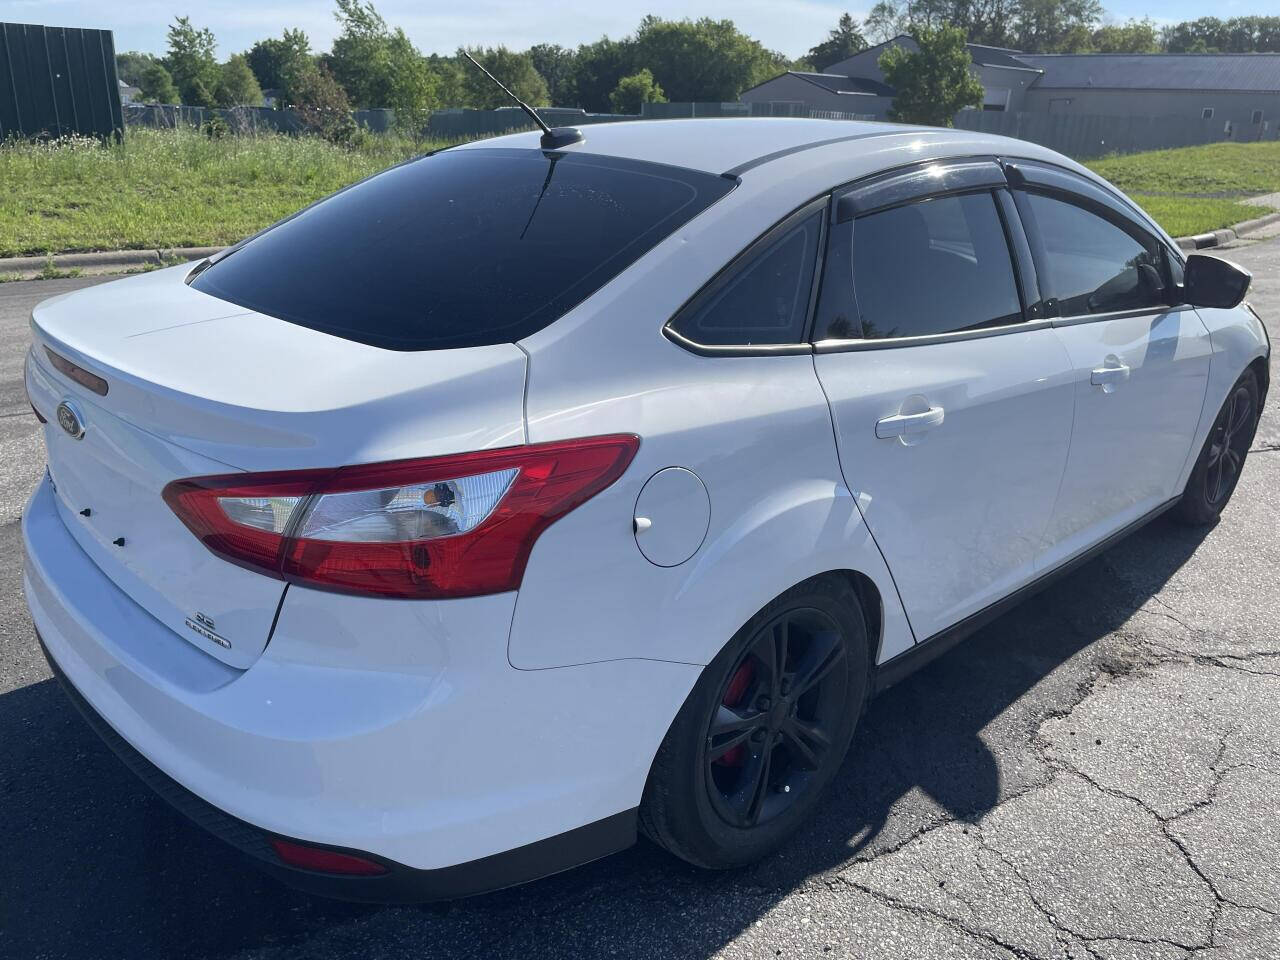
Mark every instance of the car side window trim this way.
pixel 1024 270
pixel 1027 174
pixel 840 345
pixel 1079 318
pixel 927 180
pixel 837 303
pixel 744 260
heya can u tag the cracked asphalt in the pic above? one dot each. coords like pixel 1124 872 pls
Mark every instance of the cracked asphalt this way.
pixel 1094 776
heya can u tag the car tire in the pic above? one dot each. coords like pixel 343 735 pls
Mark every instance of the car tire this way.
pixel 1221 460
pixel 726 796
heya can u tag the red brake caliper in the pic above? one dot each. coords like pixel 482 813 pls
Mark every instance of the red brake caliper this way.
pixel 733 696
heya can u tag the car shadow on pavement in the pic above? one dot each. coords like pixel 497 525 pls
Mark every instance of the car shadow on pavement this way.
pixel 98 867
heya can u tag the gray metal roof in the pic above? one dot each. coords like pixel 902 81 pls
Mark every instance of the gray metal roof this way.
pixel 839 84
pixel 1157 71
pixel 996 56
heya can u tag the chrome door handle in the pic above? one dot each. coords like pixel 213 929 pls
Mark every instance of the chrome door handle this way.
pixel 1108 376
pixel 909 424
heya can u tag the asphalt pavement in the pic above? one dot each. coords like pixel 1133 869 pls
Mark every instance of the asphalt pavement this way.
pixel 1092 776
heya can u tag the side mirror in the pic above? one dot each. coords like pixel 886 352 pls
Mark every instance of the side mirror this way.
pixel 1212 282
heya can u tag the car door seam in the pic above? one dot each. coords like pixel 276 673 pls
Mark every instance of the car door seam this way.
pixel 1066 460
pixel 835 440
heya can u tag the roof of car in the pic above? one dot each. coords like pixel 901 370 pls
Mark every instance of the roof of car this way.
pixel 722 144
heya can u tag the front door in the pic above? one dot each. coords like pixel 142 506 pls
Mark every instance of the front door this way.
pixel 1140 366
pixel 952 409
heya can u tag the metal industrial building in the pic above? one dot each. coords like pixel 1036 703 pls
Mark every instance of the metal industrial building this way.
pixel 1241 92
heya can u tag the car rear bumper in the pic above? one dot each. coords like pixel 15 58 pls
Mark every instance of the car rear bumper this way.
pixel 407 739
pixel 400 884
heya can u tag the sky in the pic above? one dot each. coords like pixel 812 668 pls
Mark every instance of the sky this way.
pixel 789 26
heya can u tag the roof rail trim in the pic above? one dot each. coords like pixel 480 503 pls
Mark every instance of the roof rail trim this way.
pixel 742 168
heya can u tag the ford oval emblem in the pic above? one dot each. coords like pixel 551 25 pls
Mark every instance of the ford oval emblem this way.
pixel 69 420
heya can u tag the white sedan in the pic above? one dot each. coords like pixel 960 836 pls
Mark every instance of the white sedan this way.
pixel 516 500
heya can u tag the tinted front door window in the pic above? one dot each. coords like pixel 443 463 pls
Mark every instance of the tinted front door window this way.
pixel 937 266
pixel 1095 266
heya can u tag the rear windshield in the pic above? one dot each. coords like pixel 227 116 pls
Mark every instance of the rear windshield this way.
pixel 462 248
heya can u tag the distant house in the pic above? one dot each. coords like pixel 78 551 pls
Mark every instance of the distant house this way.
pixel 1240 91
pixel 128 93
pixel 1004 79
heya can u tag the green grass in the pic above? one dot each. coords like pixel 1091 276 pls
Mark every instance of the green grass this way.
pixel 171 188
pixel 179 188
pixel 1185 216
pixel 1197 189
pixel 1216 169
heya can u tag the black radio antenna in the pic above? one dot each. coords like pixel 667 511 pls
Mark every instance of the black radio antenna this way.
pixel 552 138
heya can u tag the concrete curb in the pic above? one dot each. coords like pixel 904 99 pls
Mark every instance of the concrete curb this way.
pixel 1219 237
pixel 107 261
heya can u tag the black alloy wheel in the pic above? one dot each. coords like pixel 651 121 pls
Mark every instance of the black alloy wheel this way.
pixel 1229 445
pixel 778 716
pixel 764 730
pixel 1217 470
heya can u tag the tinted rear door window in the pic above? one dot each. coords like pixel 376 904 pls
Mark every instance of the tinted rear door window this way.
pixel 462 248
pixel 937 266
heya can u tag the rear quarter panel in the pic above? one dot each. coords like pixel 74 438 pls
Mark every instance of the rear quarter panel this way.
pixel 756 430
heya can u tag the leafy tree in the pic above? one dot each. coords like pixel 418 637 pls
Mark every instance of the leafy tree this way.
pixel 635 90
pixel 321 105
pixel 360 58
pixel 379 67
pixel 1210 35
pixel 449 79
pixel 841 44
pixel 933 82
pixel 893 18
pixel 1054 26
pixel 555 64
pixel 702 59
pixel 516 70
pixel 131 65
pixel 156 84
pixel 1036 26
pixel 598 68
pixel 279 63
pixel 191 62
pixel 1134 36
pixel 237 86
pixel 887 19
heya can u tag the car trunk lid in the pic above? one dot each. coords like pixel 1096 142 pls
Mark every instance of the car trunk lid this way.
pixel 196 388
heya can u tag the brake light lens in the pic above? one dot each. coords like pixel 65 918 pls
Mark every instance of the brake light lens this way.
pixel 453 526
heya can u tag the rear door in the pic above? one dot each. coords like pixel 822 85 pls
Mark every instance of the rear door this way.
pixel 1140 366
pixel 951 395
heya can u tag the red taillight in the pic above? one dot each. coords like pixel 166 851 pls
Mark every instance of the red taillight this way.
pixel 325 861
pixel 453 526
